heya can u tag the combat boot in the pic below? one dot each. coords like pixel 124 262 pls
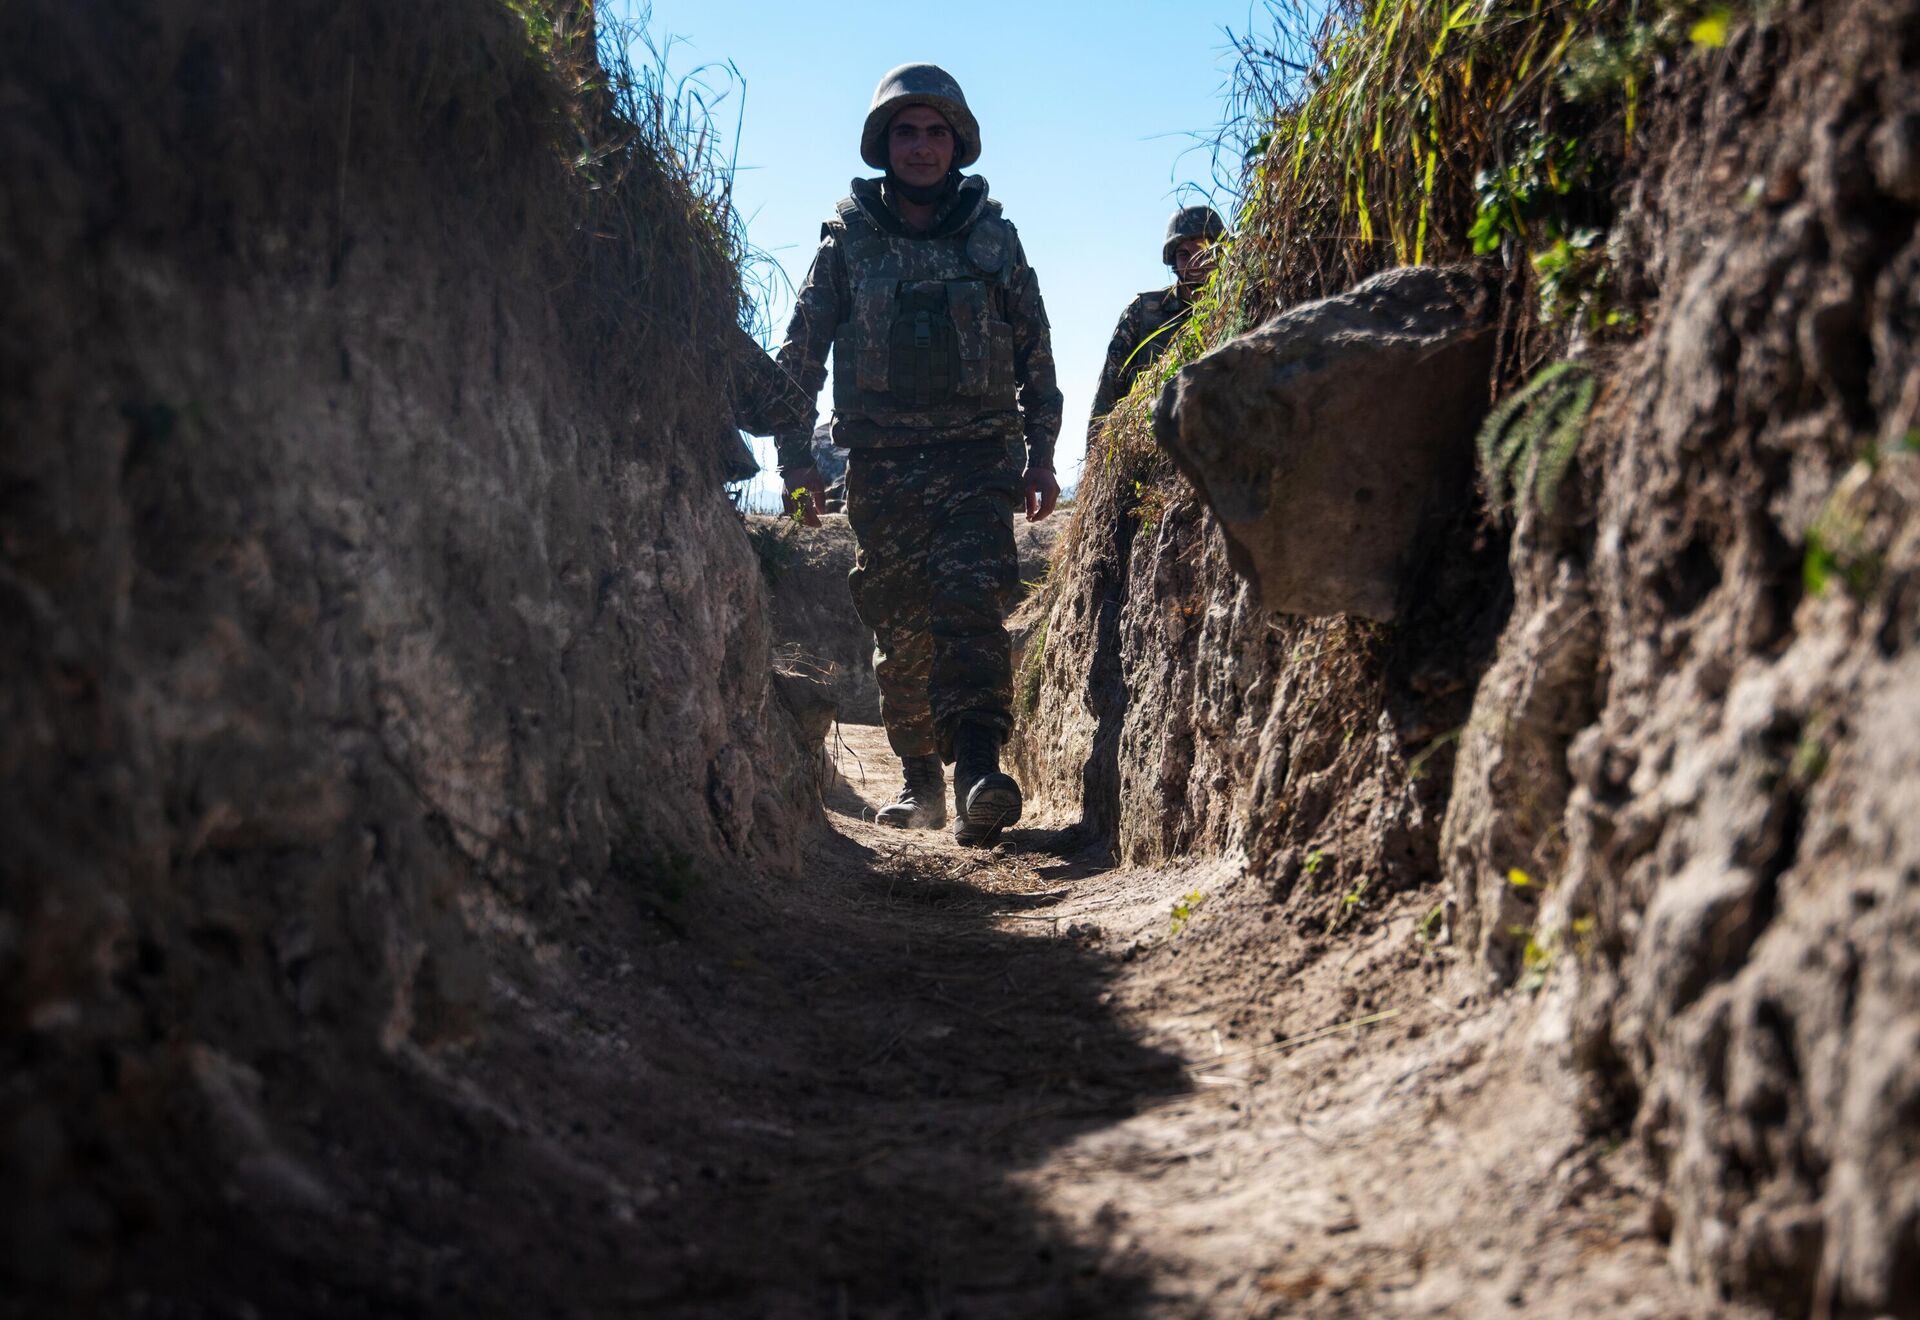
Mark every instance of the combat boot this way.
pixel 922 804
pixel 985 801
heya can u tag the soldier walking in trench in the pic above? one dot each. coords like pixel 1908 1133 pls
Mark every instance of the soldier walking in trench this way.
pixel 944 397
pixel 1148 324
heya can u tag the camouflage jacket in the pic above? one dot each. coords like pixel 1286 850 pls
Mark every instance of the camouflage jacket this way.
pixel 763 399
pixel 1146 328
pixel 1002 386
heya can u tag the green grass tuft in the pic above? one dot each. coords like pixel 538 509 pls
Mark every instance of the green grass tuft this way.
pixel 1528 441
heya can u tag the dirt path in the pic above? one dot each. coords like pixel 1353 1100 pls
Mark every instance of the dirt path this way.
pixel 930 1082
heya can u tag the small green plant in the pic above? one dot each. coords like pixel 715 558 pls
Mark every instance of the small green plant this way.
pixel 1840 545
pixel 1572 274
pixel 1417 767
pixel 1314 861
pixel 1350 903
pixel 1614 63
pixel 1430 923
pixel 1524 191
pixel 1528 441
pixel 1710 30
pixel 664 881
pixel 1810 756
pixel 1149 504
pixel 1537 952
pixel 1586 938
pixel 1183 910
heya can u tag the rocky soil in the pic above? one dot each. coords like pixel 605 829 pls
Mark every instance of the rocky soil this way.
pixel 1737 616
pixel 914 1080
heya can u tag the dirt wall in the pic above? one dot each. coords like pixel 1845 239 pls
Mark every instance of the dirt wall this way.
pixel 1692 736
pixel 1732 898
pixel 355 610
pixel 1171 714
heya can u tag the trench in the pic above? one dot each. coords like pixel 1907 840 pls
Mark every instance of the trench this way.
pixel 925 1081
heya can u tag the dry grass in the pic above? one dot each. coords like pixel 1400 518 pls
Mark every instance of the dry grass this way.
pixel 656 247
pixel 1382 133
pixel 1410 131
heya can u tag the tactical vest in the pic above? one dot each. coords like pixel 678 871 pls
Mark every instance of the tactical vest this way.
pixel 926 342
pixel 1159 308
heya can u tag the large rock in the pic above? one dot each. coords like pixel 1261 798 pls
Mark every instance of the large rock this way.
pixel 1327 440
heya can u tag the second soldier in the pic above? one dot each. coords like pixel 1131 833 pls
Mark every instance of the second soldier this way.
pixel 1148 324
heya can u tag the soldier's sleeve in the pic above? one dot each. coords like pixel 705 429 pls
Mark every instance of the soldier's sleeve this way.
pixel 1113 372
pixel 803 357
pixel 1033 370
pixel 765 400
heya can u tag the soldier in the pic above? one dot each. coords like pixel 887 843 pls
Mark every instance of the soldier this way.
pixel 1151 320
pixel 943 392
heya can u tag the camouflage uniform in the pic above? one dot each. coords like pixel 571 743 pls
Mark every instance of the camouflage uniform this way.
pixel 1146 328
pixel 943 375
pixel 934 575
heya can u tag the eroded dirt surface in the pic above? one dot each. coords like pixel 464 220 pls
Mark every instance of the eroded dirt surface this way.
pixel 929 1082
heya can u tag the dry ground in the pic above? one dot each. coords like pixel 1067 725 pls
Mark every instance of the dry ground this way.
pixel 931 1082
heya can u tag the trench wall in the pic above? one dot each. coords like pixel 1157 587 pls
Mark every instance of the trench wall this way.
pixel 358 609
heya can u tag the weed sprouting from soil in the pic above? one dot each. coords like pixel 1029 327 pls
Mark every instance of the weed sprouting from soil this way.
pixel 1184 909
pixel 1527 443
pixel 664 882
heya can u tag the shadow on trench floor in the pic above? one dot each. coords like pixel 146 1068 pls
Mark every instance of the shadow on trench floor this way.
pixel 814 1098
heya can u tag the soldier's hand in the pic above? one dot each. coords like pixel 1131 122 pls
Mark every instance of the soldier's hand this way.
pixel 1043 492
pixel 806 492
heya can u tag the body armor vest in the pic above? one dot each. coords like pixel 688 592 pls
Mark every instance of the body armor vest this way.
pixel 1158 310
pixel 926 342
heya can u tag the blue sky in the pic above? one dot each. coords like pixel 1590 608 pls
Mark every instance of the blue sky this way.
pixel 1089 113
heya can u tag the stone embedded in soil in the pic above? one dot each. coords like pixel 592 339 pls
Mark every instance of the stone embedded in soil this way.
pixel 1327 440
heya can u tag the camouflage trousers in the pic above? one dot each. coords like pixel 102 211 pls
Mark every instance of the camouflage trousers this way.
pixel 933 576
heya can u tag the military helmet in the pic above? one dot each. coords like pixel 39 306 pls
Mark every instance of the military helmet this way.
pixel 1202 222
pixel 919 84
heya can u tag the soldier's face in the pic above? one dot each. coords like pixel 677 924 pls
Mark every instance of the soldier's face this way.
pixel 920 146
pixel 1193 261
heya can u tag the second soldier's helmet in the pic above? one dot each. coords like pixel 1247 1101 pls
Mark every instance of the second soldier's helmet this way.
pixel 919 84
pixel 1202 222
